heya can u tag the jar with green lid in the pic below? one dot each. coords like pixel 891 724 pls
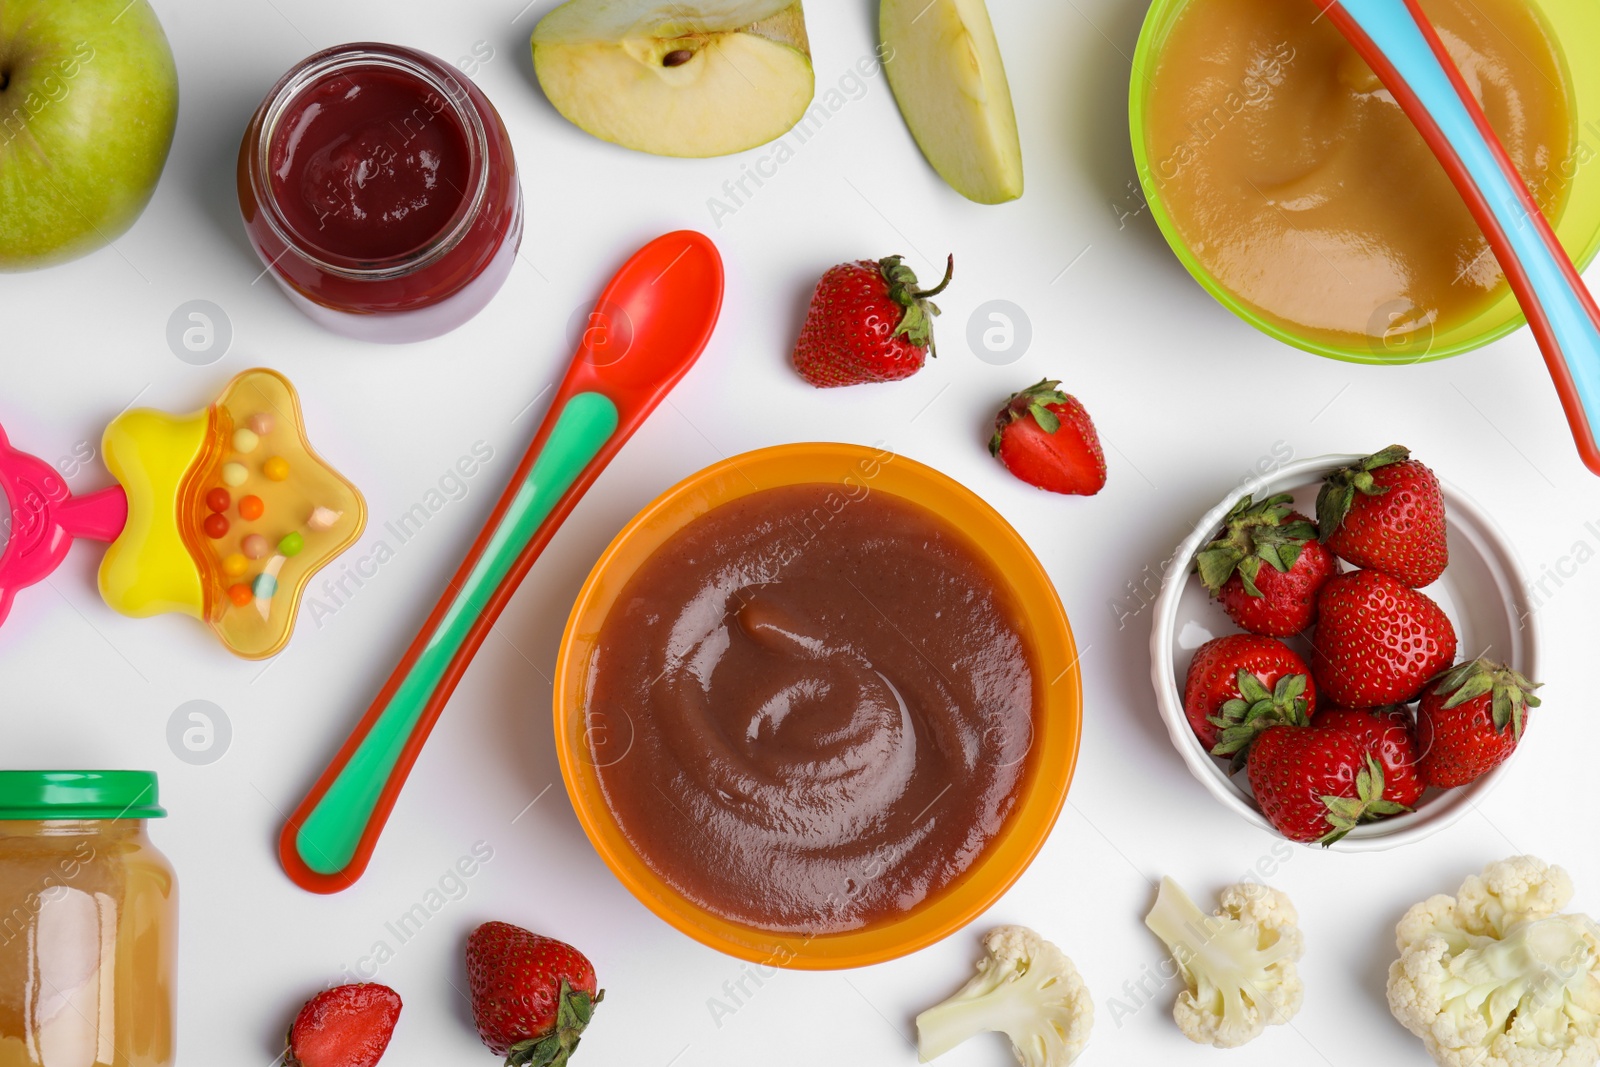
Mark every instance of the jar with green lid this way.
pixel 88 922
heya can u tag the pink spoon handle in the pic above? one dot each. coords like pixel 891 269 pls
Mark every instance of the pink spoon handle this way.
pixel 45 518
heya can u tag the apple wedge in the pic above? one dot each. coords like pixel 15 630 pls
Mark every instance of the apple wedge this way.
pixel 944 66
pixel 697 78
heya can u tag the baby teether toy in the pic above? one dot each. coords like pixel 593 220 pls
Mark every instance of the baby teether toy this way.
pixel 224 514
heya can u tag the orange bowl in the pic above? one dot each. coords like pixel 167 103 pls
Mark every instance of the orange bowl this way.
pixel 584 739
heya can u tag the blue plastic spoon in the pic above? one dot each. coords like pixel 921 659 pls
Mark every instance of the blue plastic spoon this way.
pixel 1400 45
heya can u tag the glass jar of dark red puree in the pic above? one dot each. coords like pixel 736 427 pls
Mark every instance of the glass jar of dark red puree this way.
pixel 378 185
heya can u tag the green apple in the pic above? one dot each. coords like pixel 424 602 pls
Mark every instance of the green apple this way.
pixel 944 66
pixel 692 78
pixel 88 101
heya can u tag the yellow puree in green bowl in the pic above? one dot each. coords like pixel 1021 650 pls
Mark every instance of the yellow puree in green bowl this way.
pixel 1295 180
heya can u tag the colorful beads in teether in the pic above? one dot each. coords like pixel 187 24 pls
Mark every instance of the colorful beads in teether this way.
pixel 224 514
pixel 210 495
pixel 179 544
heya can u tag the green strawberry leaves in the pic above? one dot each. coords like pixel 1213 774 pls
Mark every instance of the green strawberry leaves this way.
pixel 1241 720
pixel 916 324
pixel 1510 693
pixel 574 1010
pixel 1253 534
pixel 1346 813
pixel 1044 417
pixel 1034 402
pixel 1339 489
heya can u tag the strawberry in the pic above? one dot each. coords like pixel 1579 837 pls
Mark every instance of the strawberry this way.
pixel 1386 734
pixel 1471 720
pixel 1047 439
pixel 1377 641
pixel 1239 685
pixel 1314 784
pixel 868 322
pixel 531 995
pixel 346 1026
pixel 1386 513
pixel 1279 599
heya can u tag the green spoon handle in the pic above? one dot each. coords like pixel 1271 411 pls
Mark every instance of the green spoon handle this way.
pixel 329 839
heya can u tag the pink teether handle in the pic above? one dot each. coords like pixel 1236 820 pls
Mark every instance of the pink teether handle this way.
pixel 45 518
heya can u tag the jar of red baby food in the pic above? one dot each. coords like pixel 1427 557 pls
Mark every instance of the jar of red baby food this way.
pixel 378 185
pixel 88 922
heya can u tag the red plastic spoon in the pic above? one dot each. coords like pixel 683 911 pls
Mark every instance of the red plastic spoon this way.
pixel 648 328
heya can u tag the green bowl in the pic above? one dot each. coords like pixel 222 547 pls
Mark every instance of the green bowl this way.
pixel 1578 227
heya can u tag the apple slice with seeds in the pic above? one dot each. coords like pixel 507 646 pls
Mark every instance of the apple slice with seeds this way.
pixel 693 78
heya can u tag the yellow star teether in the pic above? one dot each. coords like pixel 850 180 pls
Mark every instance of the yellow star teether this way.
pixel 230 514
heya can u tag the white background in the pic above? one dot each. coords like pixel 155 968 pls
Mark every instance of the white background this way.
pixel 1187 399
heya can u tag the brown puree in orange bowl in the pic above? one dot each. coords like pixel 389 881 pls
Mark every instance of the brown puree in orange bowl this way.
pixel 831 703
pixel 1293 180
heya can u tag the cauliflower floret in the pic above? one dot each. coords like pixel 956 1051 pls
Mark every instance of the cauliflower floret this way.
pixel 1239 963
pixel 1498 975
pixel 1522 887
pixel 1027 989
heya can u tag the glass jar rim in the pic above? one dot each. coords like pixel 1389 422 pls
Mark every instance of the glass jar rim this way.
pixel 55 795
pixel 314 69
